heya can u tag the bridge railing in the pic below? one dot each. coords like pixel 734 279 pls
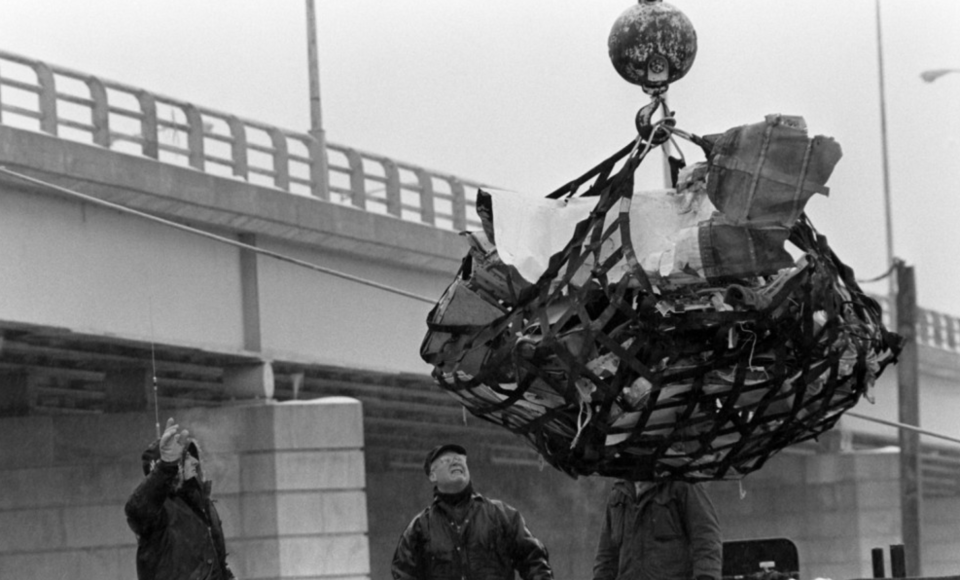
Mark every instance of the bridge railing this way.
pixel 934 329
pixel 73 105
pixel 938 330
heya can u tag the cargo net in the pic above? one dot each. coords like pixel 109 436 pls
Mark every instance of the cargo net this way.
pixel 696 355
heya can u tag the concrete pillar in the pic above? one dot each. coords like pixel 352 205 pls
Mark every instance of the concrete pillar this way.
pixel 303 498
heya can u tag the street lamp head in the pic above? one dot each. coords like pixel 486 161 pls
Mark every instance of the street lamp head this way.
pixel 931 75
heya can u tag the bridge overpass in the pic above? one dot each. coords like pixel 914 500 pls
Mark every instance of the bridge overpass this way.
pixel 102 311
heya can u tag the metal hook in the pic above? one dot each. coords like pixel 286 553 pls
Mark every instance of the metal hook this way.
pixel 655 133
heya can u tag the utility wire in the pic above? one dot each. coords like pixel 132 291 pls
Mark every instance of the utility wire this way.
pixel 902 426
pixel 221 239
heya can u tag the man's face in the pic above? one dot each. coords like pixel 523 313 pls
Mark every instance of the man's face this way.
pixel 449 472
pixel 190 467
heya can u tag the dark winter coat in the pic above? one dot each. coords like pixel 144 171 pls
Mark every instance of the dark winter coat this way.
pixel 490 544
pixel 670 532
pixel 179 535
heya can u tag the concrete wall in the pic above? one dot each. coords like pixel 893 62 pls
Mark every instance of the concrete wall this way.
pixel 288 479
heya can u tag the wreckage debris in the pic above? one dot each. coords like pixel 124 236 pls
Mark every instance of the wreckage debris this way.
pixel 666 334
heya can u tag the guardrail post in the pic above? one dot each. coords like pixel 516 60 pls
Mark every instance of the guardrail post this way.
pixel 100 112
pixel 952 323
pixel 47 98
pixel 319 172
pixel 148 125
pixel 427 211
pixel 459 205
pixel 358 191
pixel 238 147
pixel 195 135
pixel 392 173
pixel 281 159
pixel 940 328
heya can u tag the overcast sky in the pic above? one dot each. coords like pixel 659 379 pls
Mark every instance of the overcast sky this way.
pixel 521 93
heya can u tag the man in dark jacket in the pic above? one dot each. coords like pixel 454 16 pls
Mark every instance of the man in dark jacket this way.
pixel 659 531
pixel 179 536
pixel 463 535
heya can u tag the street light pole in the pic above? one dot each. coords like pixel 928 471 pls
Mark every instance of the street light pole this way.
pixel 902 306
pixel 888 213
pixel 321 175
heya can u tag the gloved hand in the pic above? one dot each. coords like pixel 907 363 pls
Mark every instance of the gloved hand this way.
pixel 171 442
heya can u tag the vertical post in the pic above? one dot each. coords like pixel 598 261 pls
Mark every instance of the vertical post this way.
pixel 47 98
pixel 393 193
pixel 887 210
pixel 877 556
pixel 908 391
pixel 250 294
pixel 99 112
pixel 358 189
pixel 459 204
pixel 316 118
pixel 427 210
pixel 897 562
pixel 238 147
pixel 281 159
pixel 149 131
pixel 195 137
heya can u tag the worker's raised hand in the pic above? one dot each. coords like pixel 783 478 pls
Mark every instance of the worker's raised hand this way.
pixel 171 442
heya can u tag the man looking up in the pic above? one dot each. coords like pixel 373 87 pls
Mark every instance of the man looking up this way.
pixel 463 535
pixel 179 534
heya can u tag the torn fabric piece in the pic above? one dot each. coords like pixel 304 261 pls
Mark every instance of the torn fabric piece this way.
pixel 765 172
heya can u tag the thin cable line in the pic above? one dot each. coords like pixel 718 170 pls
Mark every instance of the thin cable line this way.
pixel 153 361
pixel 221 239
pixel 902 426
